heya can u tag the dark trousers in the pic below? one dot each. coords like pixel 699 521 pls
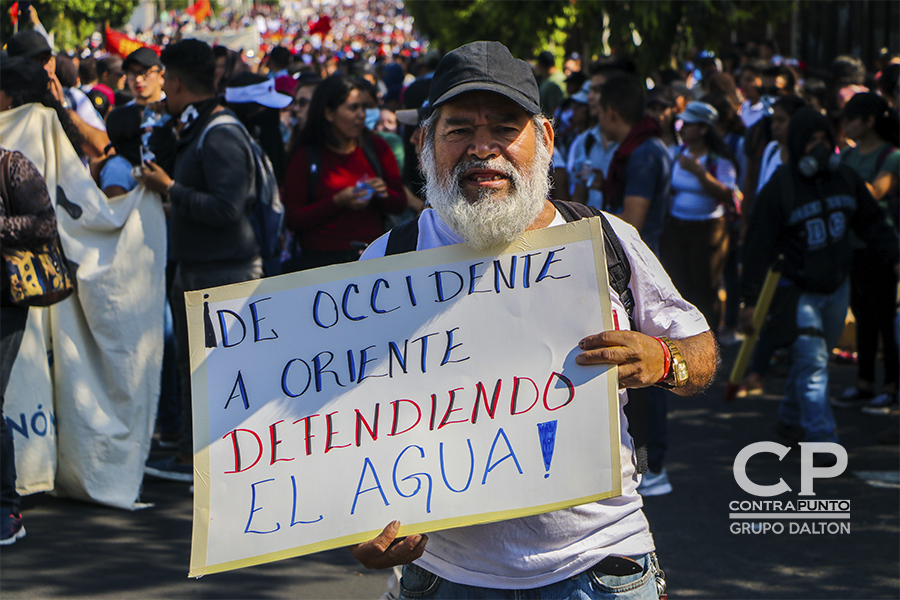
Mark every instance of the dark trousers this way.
pixel 657 427
pixel 693 254
pixel 12 327
pixel 873 298
pixel 732 277
pixel 168 416
pixel 198 277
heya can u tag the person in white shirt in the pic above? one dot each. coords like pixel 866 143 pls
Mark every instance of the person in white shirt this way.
pixel 485 154
pixel 753 108
pixel 695 241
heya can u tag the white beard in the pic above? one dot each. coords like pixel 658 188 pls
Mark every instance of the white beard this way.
pixel 491 218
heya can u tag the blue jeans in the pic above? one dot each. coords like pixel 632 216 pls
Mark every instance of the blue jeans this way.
pixel 419 583
pixel 820 321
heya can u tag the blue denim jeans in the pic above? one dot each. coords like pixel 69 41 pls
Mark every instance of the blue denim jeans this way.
pixel 418 583
pixel 806 390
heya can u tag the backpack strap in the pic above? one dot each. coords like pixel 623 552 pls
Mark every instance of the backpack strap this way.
pixel 885 152
pixel 845 155
pixel 403 238
pixel 589 142
pixel 619 272
pixel 217 120
pixel 617 265
pixel 4 183
pixel 368 148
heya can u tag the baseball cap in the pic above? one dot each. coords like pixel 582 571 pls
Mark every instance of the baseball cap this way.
pixel 699 112
pixel 659 96
pixel 413 116
pixel 27 44
pixel 485 66
pixel 100 100
pixel 581 96
pixel 285 84
pixel 262 93
pixel 144 57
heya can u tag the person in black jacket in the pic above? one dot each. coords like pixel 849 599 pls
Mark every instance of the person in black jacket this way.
pixel 804 216
pixel 210 190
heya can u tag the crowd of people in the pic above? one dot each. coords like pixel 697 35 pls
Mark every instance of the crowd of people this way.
pixel 713 172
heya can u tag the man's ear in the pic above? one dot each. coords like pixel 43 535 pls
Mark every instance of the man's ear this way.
pixel 416 140
pixel 549 134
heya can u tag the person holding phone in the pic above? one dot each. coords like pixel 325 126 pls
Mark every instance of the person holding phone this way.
pixel 348 199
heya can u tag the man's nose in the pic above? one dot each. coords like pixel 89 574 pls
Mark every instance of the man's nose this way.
pixel 484 146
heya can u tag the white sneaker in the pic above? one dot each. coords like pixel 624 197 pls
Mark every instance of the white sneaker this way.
pixel 881 404
pixel 654 484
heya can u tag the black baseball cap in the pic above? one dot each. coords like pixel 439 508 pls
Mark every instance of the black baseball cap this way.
pixel 28 44
pixel 144 57
pixel 485 66
pixel 660 96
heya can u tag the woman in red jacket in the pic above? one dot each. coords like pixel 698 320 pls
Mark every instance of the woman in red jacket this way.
pixel 335 201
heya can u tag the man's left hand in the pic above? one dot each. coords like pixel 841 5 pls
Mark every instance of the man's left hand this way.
pixel 640 358
pixel 154 177
pixel 386 550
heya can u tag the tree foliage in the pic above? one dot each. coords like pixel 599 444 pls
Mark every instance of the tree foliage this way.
pixel 520 25
pixel 653 33
pixel 73 20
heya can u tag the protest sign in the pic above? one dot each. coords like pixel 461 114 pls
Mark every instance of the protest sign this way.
pixel 438 388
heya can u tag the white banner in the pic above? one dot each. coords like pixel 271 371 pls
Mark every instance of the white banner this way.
pixel 243 39
pixel 107 338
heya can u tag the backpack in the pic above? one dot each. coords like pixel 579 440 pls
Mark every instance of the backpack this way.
pixel 266 213
pixel 404 238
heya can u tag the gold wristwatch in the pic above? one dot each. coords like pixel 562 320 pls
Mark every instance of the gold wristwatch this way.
pixel 678 370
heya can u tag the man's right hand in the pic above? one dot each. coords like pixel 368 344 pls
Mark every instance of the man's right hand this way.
pixel 154 177
pixel 386 551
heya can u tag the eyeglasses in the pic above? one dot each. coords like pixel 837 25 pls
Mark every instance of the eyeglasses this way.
pixel 141 74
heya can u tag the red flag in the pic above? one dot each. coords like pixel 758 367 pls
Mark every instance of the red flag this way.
pixel 199 10
pixel 14 13
pixel 122 45
pixel 322 26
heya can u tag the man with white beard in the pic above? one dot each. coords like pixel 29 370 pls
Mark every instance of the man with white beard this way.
pixel 485 153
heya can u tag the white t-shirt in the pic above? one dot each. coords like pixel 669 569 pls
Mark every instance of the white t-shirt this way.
pixel 692 202
pixel 600 157
pixel 86 110
pixel 751 113
pixel 543 549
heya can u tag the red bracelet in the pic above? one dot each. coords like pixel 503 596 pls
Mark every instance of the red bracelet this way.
pixel 668 358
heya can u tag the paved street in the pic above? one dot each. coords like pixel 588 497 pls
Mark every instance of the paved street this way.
pixel 77 550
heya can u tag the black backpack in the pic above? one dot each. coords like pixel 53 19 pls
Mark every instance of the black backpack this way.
pixel 404 238
pixel 266 214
